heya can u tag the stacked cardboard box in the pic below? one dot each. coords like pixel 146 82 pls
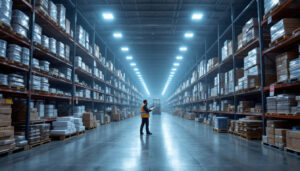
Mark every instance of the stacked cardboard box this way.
pixel 34 133
pixel 280 137
pixel 107 119
pixel 293 140
pixel 211 63
pixel 6 130
pixel 270 129
pixel 269 5
pixel 190 116
pixel 89 121
pixel 249 32
pixel 44 130
pixel 282 65
pixel 285 26
pixel 226 49
pixel 245 106
pixel 252 127
pixel 115 114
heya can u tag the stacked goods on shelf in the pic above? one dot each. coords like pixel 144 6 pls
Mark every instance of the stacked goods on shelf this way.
pixel 213 106
pixel 270 129
pixel 282 65
pixel 44 130
pixel 16 80
pixel 115 114
pixel 34 133
pixel 221 123
pixel 3 45
pixel 107 119
pixel 7 141
pixel 50 111
pixel 214 91
pixel 190 116
pixel 249 33
pixel 17 53
pixel 61 15
pixel 231 128
pixel 293 140
pixel 282 104
pixel 280 137
pixel 42 5
pixel 78 111
pixel 209 119
pixel 212 63
pixel 63 126
pixel 20 141
pixel 79 124
pixel 89 121
pixel 79 63
pixel 52 11
pixel 37 34
pixel 226 49
pixel 6 11
pixel 284 28
pixel 227 82
pixel 245 106
pixel 251 127
pixel 227 106
pixel 20 23
pixel 40 83
pixel 269 5
pixel 19 109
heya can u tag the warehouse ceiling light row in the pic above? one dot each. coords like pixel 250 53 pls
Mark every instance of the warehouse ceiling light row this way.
pixel 195 17
pixel 118 35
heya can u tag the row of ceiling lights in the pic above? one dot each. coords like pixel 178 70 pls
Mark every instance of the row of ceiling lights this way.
pixel 196 17
pixel 118 35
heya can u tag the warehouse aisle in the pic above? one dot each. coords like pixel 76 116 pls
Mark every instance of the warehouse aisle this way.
pixel 176 144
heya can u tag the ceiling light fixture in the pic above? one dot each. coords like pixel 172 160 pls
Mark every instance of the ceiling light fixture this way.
pixel 189 35
pixel 108 16
pixel 129 57
pixel 197 16
pixel 132 64
pixel 179 57
pixel 176 64
pixel 124 49
pixel 135 69
pixel 174 69
pixel 183 48
pixel 118 35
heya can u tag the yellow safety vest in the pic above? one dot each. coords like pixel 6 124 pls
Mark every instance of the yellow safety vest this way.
pixel 144 114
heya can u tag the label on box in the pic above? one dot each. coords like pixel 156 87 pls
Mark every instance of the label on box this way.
pixel 77 100
pixel 270 19
pixel 8 101
pixel 272 90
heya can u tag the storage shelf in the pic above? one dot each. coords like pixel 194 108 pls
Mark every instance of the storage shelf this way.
pixel 283 86
pixel 276 14
pixel 46 54
pixel 283 44
pixel 8 34
pixel 282 116
pixel 46 95
pixel 242 52
pixel 44 74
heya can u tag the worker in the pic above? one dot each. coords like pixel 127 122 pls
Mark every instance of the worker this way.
pixel 145 117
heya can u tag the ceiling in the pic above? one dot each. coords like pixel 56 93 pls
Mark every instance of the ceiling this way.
pixel 154 30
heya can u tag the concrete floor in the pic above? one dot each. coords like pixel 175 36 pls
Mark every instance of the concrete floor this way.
pixel 176 144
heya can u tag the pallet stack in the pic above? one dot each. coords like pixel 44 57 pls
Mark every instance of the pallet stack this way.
pixel 7 141
pixel 89 120
pixel 270 130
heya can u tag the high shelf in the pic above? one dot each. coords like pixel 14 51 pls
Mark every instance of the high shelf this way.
pixel 110 90
pixel 198 83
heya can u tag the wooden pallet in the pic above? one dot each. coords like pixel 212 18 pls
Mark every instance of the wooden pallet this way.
pixel 220 131
pixel 13 87
pixel 7 152
pixel 62 137
pixel 289 150
pixel 273 146
pixel 19 149
pixel 47 140
pixel 80 133
pixel 18 63
pixel 278 40
pixel 250 137
pixel 89 128
pixel 296 31
pixel 5 27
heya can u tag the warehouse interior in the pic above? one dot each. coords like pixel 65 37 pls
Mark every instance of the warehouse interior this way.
pixel 149 85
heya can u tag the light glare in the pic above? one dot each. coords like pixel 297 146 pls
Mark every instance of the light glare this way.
pixel 189 35
pixel 183 48
pixel 118 35
pixel 125 49
pixel 179 57
pixel 176 64
pixel 129 57
pixel 132 64
pixel 108 16
pixel 197 16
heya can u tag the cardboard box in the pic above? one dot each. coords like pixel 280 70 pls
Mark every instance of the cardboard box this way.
pixel 270 132
pixel 293 140
pixel 271 140
pixel 277 123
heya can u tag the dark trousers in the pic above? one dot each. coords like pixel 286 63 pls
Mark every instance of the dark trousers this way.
pixel 145 121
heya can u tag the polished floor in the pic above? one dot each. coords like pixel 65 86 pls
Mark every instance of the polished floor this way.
pixel 176 144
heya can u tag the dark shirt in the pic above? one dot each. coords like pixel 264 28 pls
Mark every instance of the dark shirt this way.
pixel 146 109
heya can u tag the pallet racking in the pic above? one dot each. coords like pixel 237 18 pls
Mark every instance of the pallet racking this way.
pixel 127 97
pixel 285 9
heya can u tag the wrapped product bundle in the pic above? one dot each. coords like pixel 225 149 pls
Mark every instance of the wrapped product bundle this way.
pixel 14 52
pixel 20 22
pixel 6 11
pixel 52 45
pixel 78 61
pixel 3 45
pixel 61 10
pixel 43 5
pixel 35 63
pixel 269 4
pixel 285 26
pixel 81 35
pixel 16 80
pixel 37 34
pixel 45 41
pixel 3 79
pixel 295 68
pixel 25 55
pixel 45 65
pixel 52 10
pixel 60 49
pixel 36 82
pixel 45 84
pixel 67 52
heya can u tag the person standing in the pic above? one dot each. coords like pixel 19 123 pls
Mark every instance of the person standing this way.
pixel 145 114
